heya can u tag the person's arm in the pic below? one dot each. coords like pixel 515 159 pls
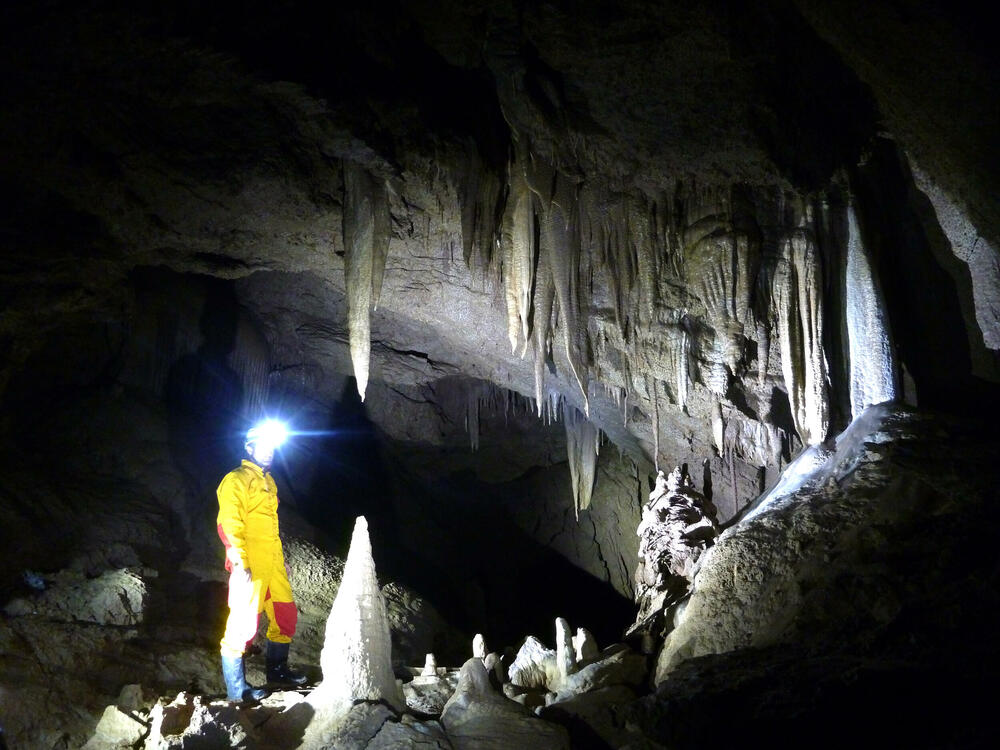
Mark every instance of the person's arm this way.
pixel 232 521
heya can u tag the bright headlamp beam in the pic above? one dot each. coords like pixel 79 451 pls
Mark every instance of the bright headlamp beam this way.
pixel 269 432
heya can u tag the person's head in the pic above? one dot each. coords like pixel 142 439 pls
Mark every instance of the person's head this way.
pixel 263 439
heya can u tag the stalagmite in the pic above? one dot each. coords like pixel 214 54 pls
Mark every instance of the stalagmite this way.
pixel 479 646
pixel 583 442
pixel 873 362
pixel 535 666
pixel 366 243
pixel 430 666
pixel 797 298
pixel 357 652
pixel 677 527
pixel 585 645
pixel 565 653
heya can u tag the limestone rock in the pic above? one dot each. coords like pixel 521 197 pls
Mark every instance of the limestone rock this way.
pixel 408 734
pixel 677 527
pixel 535 666
pixel 116 729
pixel 595 712
pixel 221 724
pixel 428 694
pixel 115 597
pixel 478 717
pixel 617 665
pixel 479 646
pixel 565 653
pixel 585 645
pixel 357 653
pixel 430 667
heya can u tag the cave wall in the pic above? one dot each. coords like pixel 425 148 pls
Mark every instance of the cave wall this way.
pixel 636 214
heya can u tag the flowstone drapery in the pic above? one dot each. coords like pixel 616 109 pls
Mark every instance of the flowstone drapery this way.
pixel 797 296
pixel 873 361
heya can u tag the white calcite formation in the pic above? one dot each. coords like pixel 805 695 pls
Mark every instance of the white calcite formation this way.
pixel 872 361
pixel 565 653
pixel 535 666
pixel 677 527
pixel 479 646
pixel 585 645
pixel 797 299
pixel 430 667
pixel 478 717
pixel 366 245
pixel 357 653
pixel 583 442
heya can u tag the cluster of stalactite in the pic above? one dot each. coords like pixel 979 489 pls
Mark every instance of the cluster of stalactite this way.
pixel 652 297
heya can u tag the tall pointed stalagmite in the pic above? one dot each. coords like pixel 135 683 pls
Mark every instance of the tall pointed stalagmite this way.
pixel 357 652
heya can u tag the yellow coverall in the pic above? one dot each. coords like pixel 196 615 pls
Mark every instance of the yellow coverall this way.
pixel 248 522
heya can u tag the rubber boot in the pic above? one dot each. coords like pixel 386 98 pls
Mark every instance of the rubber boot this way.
pixel 278 671
pixel 237 688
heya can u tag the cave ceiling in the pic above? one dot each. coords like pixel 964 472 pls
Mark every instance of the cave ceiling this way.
pixel 584 203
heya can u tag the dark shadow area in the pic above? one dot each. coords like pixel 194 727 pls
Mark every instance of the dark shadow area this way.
pixel 204 397
pixel 922 297
pixel 452 540
pixel 346 479
pixel 812 113
pixel 512 585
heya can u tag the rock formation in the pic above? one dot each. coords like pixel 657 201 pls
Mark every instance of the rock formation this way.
pixel 478 717
pixel 357 652
pixel 714 243
pixel 677 528
pixel 584 644
pixel 535 666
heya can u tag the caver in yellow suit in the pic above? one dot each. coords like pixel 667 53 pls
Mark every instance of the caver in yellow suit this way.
pixel 248 527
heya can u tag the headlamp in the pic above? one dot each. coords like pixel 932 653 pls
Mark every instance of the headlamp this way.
pixel 269 432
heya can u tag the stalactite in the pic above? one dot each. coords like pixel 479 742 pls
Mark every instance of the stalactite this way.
pixel 559 249
pixel 366 243
pixel 677 360
pixel 796 295
pixel 583 443
pixel 872 359
pixel 481 199
pixel 656 427
pixel 544 297
pixel 718 428
pixel 519 251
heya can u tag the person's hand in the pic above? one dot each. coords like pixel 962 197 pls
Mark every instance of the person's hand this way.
pixel 241 574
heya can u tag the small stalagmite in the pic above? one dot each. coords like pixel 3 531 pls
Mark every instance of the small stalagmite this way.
pixel 479 646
